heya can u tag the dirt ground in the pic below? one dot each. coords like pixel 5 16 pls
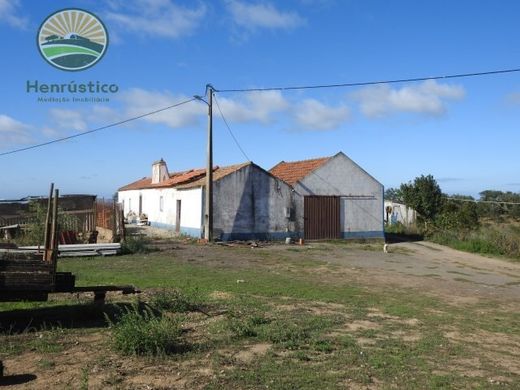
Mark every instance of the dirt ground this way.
pixel 455 277
pixel 451 274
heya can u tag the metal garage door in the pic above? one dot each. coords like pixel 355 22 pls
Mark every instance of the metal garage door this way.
pixel 321 217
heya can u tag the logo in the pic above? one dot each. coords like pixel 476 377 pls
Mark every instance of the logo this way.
pixel 72 39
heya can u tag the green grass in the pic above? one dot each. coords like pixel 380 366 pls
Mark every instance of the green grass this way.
pixel 496 240
pixel 143 332
pixel 304 318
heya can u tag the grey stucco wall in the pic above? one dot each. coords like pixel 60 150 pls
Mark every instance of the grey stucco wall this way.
pixel 362 196
pixel 250 204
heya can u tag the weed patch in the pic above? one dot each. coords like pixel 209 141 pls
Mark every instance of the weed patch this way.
pixel 142 332
pixel 178 301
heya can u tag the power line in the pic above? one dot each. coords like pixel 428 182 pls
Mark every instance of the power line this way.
pixel 481 201
pixel 97 129
pixel 231 132
pixel 366 83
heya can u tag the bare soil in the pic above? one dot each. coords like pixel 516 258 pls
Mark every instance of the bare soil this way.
pixel 455 277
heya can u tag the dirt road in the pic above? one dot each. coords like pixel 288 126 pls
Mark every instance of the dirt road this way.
pixel 456 275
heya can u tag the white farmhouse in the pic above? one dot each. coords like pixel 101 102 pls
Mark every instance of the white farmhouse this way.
pixel 324 198
pixel 248 202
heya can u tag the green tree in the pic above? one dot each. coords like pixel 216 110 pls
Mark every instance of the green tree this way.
pixel 424 195
pixel 459 212
pixel 499 211
pixel 393 194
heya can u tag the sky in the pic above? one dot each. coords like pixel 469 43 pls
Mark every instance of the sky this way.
pixel 465 132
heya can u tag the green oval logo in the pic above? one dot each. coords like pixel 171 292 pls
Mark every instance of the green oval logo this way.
pixel 72 39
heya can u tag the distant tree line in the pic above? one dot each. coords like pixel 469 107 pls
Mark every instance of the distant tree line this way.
pixel 455 211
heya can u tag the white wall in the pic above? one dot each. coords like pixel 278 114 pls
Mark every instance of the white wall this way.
pixel 400 213
pixel 361 203
pixel 191 207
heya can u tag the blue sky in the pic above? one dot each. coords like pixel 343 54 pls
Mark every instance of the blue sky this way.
pixel 463 131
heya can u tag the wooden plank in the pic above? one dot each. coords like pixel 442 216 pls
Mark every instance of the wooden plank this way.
pixel 47 234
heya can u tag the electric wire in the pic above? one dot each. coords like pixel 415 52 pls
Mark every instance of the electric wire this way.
pixel 366 83
pixel 96 129
pixel 229 129
pixel 283 88
pixel 481 201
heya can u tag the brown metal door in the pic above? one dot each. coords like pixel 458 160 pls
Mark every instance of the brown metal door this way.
pixel 321 217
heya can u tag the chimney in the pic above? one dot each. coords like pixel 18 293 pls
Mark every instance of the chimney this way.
pixel 159 172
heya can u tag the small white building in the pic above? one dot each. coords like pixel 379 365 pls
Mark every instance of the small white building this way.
pixel 248 202
pixel 399 213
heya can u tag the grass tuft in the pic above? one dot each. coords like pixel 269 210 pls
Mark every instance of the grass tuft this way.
pixel 142 332
pixel 178 301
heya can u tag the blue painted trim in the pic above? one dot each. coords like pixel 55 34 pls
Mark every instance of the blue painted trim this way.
pixel 272 236
pixel 193 232
pixel 366 234
pixel 280 236
pixel 162 225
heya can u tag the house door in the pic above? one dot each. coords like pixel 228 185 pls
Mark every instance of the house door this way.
pixel 140 204
pixel 321 217
pixel 178 217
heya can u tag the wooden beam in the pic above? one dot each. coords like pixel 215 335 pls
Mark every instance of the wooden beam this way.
pixel 46 236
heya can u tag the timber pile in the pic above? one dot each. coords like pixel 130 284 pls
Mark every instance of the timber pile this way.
pixel 30 275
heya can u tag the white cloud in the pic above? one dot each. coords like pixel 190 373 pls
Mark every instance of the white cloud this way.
pixel 257 106
pixel 427 97
pixel 261 107
pixel 9 14
pixel 50 132
pixel 160 18
pixel 262 15
pixel 140 101
pixel 68 119
pixel 314 115
pixel 13 131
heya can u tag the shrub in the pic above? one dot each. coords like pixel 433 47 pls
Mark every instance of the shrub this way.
pixel 503 240
pixel 135 244
pixel 141 332
pixel 35 229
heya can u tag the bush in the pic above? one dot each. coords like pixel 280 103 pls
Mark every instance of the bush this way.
pixel 177 301
pixel 35 230
pixel 141 332
pixel 504 241
pixel 135 244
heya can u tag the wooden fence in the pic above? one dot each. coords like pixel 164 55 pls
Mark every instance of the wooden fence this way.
pixel 79 221
pixel 109 215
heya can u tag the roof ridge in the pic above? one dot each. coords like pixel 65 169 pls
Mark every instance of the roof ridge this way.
pixel 306 160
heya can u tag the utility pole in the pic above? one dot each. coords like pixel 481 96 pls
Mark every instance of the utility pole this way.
pixel 208 218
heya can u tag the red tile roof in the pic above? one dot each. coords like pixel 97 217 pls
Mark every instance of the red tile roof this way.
pixel 217 175
pixel 185 179
pixel 292 172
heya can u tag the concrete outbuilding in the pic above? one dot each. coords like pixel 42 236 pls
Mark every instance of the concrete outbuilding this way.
pixel 336 198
